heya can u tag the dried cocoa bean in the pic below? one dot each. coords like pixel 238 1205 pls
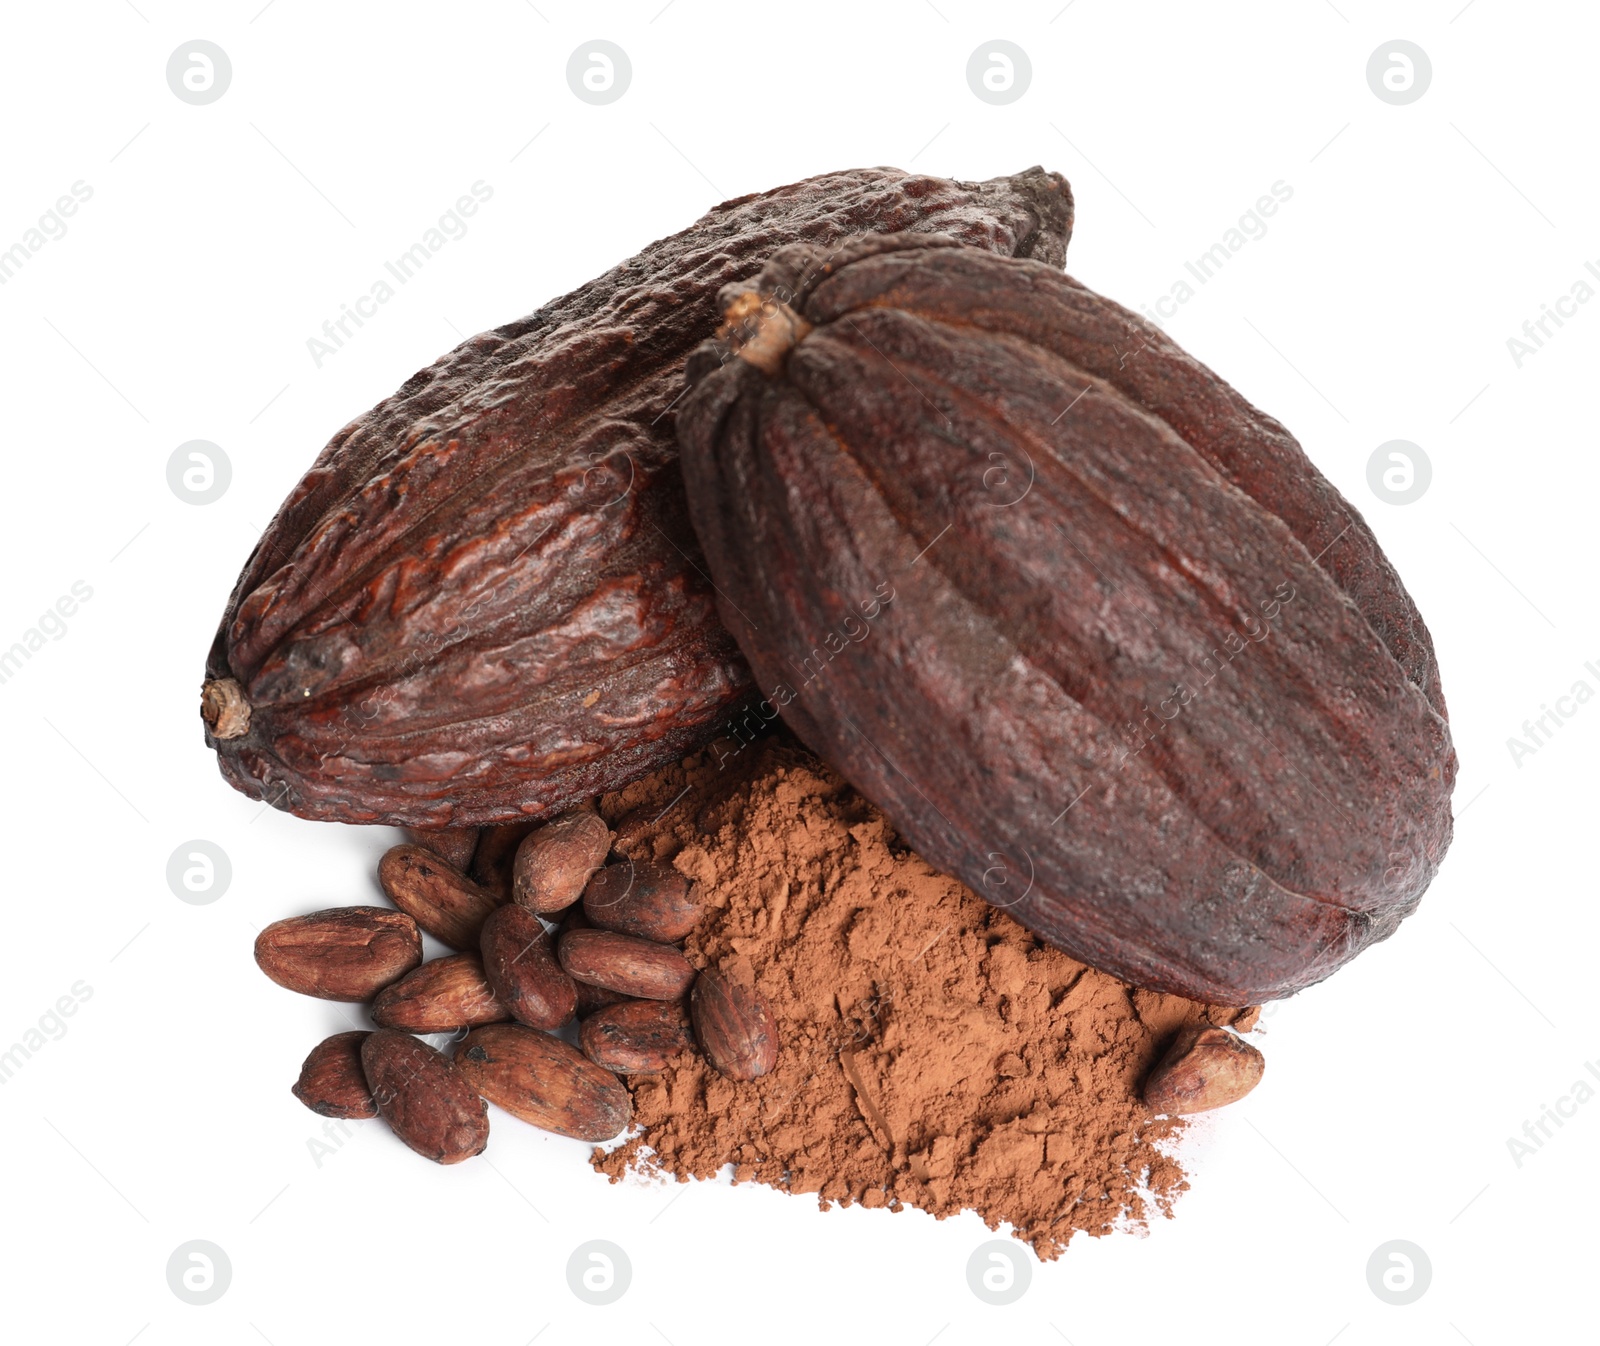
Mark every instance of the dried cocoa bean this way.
pixel 545 1081
pixel 423 1097
pixel 592 998
pixel 1203 1068
pixel 484 600
pixel 625 963
pixel 331 1081
pixel 637 1036
pixel 733 1024
pixel 522 969
pixel 454 845
pixel 438 896
pixel 554 861
pixel 496 853
pixel 442 995
pixel 1091 629
pixel 344 953
pixel 644 898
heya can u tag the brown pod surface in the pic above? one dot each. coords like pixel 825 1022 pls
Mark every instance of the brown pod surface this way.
pixel 441 995
pixel 625 963
pixel 555 860
pixel 331 1081
pixel 1090 628
pixel 644 898
pixel 423 1097
pixel 454 845
pixel 733 1024
pixel 1203 1068
pixel 437 895
pixel 344 953
pixel 545 1081
pixel 637 1036
pixel 484 600
pixel 522 969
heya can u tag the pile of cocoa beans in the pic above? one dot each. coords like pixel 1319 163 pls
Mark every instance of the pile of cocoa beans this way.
pixel 551 939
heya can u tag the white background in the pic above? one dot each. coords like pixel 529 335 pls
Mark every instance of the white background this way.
pixel 178 306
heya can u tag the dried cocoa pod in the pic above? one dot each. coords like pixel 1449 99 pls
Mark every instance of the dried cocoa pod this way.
pixel 454 845
pixel 555 860
pixel 484 600
pixel 625 963
pixel 424 1098
pixel 637 1037
pixel 344 953
pixel 1091 629
pixel 442 995
pixel 544 1081
pixel 496 853
pixel 643 898
pixel 331 1081
pixel 519 964
pixel 1204 1067
pixel 733 1024
pixel 438 896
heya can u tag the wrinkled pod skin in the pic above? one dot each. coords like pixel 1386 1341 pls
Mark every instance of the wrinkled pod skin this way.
pixel 1090 628
pixel 484 601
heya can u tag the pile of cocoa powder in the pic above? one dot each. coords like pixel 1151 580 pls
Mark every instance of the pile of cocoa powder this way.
pixel 933 1053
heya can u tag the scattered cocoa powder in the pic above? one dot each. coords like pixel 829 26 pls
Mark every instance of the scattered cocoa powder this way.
pixel 932 1052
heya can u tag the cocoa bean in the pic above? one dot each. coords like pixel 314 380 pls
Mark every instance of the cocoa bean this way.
pixel 496 853
pixel 592 998
pixel 734 1026
pixel 454 845
pixel 545 1081
pixel 423 1097
pixel 625 963
pixel 440 996
pixel 637 1036
pixel 437 895
pixel 644 898
pixel 522 969
pixel 554 861
pixel 344 953
pixel 1203 1068
pixel 331 1081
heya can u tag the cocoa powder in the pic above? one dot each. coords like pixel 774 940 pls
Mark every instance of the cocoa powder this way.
pixel 932 1053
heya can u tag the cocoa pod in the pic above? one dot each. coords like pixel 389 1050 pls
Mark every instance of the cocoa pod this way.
pixel 424 1098
pixel 438 896
pixel 442 995
pixel 344 953
pixel 484 601
pixel 331 1081
pixel 1089 628
pixel 545 1081
pixel 625 963
pixel 636 1037
pixel 496 853
pixel 519 964
pixel 643 898
pixel 733 1024
pixel 454 845
pixel 554 861
pixel 1203 1068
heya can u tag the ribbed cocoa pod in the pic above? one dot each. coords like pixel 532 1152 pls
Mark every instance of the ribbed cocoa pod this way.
pixel 438 896
pixel 484 600
pixel 440 996
pixel 544 1081
pixel 331 1081
pixel 454 845
pixel 424 1098
pixel 625 963
pixel 644 898
pixel 1090 628
pixel 522 968
pixel 344 953
pixel 636 1037
pixel 555 860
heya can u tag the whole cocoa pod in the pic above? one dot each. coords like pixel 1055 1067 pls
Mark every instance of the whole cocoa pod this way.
pixel 332 1083
pixel 545 1081
pixel 1090 628
pixel 522 969
pixel 344 953
pixel 484 600
pixel 424 1099
pixel 435 894
pixel 440 996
